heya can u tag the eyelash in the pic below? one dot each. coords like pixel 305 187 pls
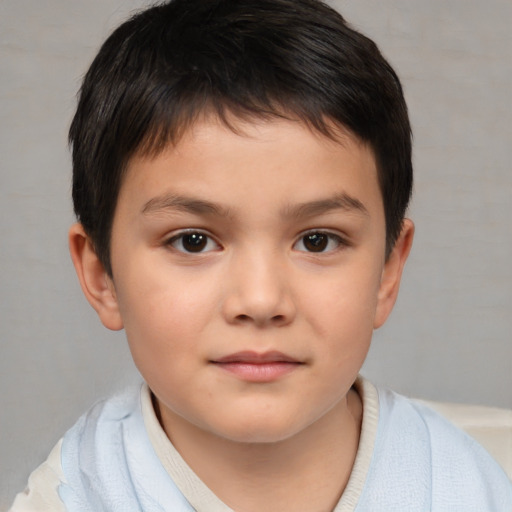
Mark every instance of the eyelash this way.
pixel 202 241
pixel 193 233
pixel 328 238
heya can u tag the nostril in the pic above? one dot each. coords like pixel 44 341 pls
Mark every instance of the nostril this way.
pixel 276 319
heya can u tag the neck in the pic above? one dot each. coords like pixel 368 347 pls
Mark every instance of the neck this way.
pixel 306 472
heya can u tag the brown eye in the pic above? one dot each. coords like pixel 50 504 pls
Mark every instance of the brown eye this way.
pixel 318 241
pixel 193 242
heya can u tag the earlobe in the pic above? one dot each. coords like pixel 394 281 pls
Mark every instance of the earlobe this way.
pixel 96 284
pixel 392 273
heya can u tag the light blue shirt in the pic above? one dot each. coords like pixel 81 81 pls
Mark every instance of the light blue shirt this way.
pixel 420 463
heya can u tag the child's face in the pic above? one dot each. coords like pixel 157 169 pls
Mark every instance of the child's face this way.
pixel 249 273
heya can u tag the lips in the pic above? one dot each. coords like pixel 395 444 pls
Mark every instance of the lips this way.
pixel 258 367
pixel 257 358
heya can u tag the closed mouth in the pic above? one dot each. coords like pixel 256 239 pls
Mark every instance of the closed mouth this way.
pixel 258 367
pixel 250 357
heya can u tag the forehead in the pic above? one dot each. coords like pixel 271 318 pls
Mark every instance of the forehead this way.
pixel 284 160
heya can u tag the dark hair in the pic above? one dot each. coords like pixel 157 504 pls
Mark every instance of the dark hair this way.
pixel 296 59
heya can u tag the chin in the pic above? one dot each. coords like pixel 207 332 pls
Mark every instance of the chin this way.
pixel 260 430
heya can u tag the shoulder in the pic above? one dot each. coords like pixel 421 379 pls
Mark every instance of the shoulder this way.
pixel 427 450
pixel 105 417
pixel 490 426
pixel 41 493
pixel 456 431
pixel 46 481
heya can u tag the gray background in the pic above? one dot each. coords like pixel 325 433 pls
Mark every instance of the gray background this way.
pixel 449 336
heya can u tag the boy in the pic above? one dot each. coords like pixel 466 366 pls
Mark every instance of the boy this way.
pixel 241 175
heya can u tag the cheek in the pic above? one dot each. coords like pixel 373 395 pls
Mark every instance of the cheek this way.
pixel 162 334
pixel 344 302
pixel 164 313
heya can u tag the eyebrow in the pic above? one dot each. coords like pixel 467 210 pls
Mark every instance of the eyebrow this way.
pixel 185 204
pixel 341 201
pixel 197 206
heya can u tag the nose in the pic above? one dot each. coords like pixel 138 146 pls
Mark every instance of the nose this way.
pixel 259 292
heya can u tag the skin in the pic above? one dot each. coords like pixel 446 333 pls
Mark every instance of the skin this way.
pixel 256 286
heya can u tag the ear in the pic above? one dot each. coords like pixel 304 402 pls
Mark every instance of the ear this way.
pixel 96 284
pixel 392 273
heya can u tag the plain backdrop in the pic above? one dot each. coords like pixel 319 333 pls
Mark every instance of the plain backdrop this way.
pixel 449 336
